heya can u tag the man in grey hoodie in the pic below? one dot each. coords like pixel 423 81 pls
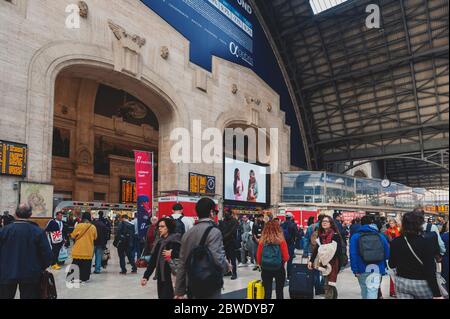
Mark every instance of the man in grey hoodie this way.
pixel 206 212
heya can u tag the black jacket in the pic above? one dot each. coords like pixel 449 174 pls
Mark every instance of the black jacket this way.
pixel 173 242
pixel 102 233
pixel 24 253
pixel 409 267
pixel 229 228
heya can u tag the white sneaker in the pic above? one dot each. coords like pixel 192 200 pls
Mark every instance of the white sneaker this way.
pixel 242 265
pixel 252 265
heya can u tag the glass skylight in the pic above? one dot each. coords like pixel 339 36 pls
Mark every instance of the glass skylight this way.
pixel 319 6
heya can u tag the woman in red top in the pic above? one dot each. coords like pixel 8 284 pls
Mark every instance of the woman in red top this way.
pixel 272 239
pixel 392 232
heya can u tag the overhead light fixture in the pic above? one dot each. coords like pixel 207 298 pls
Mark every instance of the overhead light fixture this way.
pixel 319 6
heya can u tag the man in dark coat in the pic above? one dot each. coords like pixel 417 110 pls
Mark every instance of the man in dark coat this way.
pixel 100 243
pixel 24 254
pixel 231 242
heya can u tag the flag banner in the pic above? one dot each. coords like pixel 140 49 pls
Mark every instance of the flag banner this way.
pixel 144 189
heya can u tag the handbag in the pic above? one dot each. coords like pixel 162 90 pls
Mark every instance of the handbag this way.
pixel 47 286
pixel 441 281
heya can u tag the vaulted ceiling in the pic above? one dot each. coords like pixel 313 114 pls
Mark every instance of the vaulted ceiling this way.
pixel 377 94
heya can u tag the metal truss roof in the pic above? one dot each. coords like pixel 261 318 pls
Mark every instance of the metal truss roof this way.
pixel 369 94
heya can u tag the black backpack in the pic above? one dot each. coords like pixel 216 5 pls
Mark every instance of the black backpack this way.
pixel 180 227
pixel 204 276
pixel 371 248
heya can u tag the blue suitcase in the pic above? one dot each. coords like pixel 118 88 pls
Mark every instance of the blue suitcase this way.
pixel 301 284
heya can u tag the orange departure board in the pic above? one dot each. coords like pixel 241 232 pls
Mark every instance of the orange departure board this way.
pixel 202 184
pixel 128 191
pixel 13 159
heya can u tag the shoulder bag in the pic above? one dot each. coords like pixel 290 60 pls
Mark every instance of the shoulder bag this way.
pixel 441 281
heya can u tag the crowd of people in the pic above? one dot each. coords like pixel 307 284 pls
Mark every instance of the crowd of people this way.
pixel 191 260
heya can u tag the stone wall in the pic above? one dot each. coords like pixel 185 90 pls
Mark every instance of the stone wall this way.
pixel 124 44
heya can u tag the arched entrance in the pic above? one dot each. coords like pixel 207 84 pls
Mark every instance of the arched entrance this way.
pixel 100 118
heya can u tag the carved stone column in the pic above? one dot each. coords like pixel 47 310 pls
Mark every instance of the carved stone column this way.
pixel 84 160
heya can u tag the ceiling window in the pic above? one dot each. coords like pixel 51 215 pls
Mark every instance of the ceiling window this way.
pixel 319 6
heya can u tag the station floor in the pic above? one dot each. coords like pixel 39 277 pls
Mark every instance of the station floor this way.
pixel 110 285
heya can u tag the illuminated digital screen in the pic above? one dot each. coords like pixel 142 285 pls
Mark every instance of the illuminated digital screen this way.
pixel 13 159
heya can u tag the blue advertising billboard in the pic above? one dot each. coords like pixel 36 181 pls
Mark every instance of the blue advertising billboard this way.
pixel 229 29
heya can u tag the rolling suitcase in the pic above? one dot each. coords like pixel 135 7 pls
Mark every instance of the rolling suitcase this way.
pixel 301 284
pixel 255 290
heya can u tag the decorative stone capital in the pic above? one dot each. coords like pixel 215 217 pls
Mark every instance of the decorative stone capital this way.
pixel 165 52
pixel 127 50
pixel 84 9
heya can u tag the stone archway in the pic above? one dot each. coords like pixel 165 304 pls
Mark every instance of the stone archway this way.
pixel 96 63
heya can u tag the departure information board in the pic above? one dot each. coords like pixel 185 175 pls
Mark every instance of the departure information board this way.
pixel 128 191
pixel 13 159
pixel 202 184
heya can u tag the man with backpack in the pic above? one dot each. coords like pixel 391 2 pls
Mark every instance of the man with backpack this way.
pixel 369 251
pixel 124 242
pixel 291 234
pixel 202 261
pixel 184 224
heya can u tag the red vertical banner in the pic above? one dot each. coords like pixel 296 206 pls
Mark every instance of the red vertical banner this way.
pixel 144 189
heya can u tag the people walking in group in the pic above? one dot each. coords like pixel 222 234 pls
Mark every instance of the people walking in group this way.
pixel 24 254
pixel 257 230
pixel 413 257
pixel 56 237
pixel 247 249
pixel 327 235
pixel 369 251
pixel 229 228
pixel 124 242
pixel 272 254
pixel 290 232
pixel 164 260
pixel 84 236
pixel 202 257
pixel 100 243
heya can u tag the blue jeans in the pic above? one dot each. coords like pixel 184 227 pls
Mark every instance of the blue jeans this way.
pixel 370 284
pixel 126 252
pixel 319 283
pixel 136 248
pixel 98 250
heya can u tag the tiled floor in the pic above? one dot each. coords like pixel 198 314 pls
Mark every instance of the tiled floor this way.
pixel 111 285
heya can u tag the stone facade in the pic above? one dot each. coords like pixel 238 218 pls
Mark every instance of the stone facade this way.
pixel 124 44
